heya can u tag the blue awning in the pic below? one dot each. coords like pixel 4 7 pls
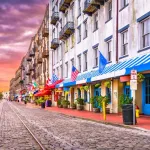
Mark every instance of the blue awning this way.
pixel 140 63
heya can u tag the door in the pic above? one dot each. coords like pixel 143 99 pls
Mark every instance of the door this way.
pixel 127 90
pixel 97 92
pixel 72 96
pixel 146 96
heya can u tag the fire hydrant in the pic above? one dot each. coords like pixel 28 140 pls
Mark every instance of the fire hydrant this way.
pixel 137 112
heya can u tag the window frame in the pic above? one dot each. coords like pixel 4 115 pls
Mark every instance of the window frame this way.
pixel 96 22
pixel 124 46
pixel 79 8
pixel 144 35
pixel 95 57
pixel 66 67
pixel 85 29
pixel 109 50
pixel 79 63
pixel 72 62
pixel 85 61
pixel 109 10
pixel 79 34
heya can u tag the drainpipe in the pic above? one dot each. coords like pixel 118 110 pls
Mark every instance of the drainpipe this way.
pixel 116 31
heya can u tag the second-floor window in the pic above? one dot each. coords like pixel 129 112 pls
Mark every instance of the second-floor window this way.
pixel 72 62
pixel 57 72
pixel 95 22
pixel 79 63
pixel 66 64
pixel 85 61
pixel 96 57
pixel 85 29
pixel 79 34
pixel 124 3
pixel 109 10
pixel 61 72
pixel 79 7
pixel 146 33
pixel 53 34
pixel 109 49
pixel 124 37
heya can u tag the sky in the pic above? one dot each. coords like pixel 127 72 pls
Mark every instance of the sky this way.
pixel 19 21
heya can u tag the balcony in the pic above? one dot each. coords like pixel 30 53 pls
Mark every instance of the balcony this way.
pixel 29 59
pixel 63 5
pixel 67 30
pixel 45 32
pixel 39 41
pixel 54 18
pixel 55 43
pixel 39 60
pixel 45 54
pixel 92 6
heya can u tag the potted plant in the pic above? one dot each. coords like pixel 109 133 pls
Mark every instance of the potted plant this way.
pixel 140 77
pixel 93 101
pixel 73 106
pixel 59 102
pixel 86 88
pixel 97 85
pixel 42 102
pixel 81 88
pixel 65 103
pixel 105 99
pixel 80 103
pixel 107 83
pixel 127 109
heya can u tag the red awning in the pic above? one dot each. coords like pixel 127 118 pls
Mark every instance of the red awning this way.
pixel 43 93
pixel 52 86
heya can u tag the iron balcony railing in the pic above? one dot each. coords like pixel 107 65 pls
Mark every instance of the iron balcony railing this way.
pixel 55 43
pixel 54 18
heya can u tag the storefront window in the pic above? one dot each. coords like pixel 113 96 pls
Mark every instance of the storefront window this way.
pixel 108 94
pixel 85 96
pixel 127 90
pixel 79 93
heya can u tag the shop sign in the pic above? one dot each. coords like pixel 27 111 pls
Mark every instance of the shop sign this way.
pixel 133 75
pixel 133 84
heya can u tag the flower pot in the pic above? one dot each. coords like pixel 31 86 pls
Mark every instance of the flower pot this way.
pixel 65 106
pixel 25 102
pixel 43 105
pixel 48 103
pixel 107 110
pixel 73 107
pixel 127 114
pixel 96 110
pixel 80 107
pixel 60 106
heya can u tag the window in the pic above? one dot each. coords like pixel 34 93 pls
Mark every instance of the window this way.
pixel 96 57
pixel 53 34
pixel 79 34
pixel 79 93
pixel 124 43
pixel 127 90
pixel 72 13
pixel 124 3
pixel 147 90
pixel 61 51
pixel 57 72
pixel 79 7
pixel 72 40
pixel 61 72
pixel 108 94
pixel 146 33
pixel 66 17
pixel 85 61
pixel 53 57
pixel 66 64
pixel 66 49
pixel 109 49
pixel 72 62
pixel 96 22
pixel 79 63
pixel 85 29
pixel 109 10
pixel 85 96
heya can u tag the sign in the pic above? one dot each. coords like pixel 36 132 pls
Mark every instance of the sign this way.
pixel 133 84
pixel 133 75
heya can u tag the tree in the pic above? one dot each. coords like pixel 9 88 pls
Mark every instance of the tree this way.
pixel 1 95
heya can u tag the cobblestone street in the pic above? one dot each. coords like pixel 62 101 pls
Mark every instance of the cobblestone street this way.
pixel 56 132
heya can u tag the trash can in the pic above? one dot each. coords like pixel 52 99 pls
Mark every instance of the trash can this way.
pixel 127 113
pixel 43 105
pixel 48 103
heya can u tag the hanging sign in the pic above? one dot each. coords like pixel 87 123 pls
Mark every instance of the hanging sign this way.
pixel 133 75
pixel 133 85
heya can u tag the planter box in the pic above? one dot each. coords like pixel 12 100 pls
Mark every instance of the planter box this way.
pixel 96 110
pixel 60 106
pixel 65 106
pixel 80 107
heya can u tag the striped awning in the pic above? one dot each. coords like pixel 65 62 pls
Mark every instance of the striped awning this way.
pixel 140 63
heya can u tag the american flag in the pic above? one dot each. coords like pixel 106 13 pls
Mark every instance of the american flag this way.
pixel 54 78
pixel 74 73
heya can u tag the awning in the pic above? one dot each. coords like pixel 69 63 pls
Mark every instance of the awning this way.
pixel 52 86
pixel 140 63
pixel 43 93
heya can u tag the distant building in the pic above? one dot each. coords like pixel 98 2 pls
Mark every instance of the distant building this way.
pixel 5 95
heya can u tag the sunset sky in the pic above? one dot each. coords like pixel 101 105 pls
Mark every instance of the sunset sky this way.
pixel 19 21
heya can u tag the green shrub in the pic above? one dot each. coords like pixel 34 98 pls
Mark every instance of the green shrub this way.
pixel 124 99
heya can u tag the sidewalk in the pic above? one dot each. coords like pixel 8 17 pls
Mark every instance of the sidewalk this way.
pixel 143 122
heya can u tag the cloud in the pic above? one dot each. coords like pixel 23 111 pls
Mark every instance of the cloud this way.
pixel 19 22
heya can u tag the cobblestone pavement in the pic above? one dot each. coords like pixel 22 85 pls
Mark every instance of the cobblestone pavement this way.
pixel 59 132
pixel 13 134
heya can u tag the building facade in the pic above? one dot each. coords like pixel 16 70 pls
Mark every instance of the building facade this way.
pixel 119 29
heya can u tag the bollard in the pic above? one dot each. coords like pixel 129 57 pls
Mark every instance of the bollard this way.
pixel 104 111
